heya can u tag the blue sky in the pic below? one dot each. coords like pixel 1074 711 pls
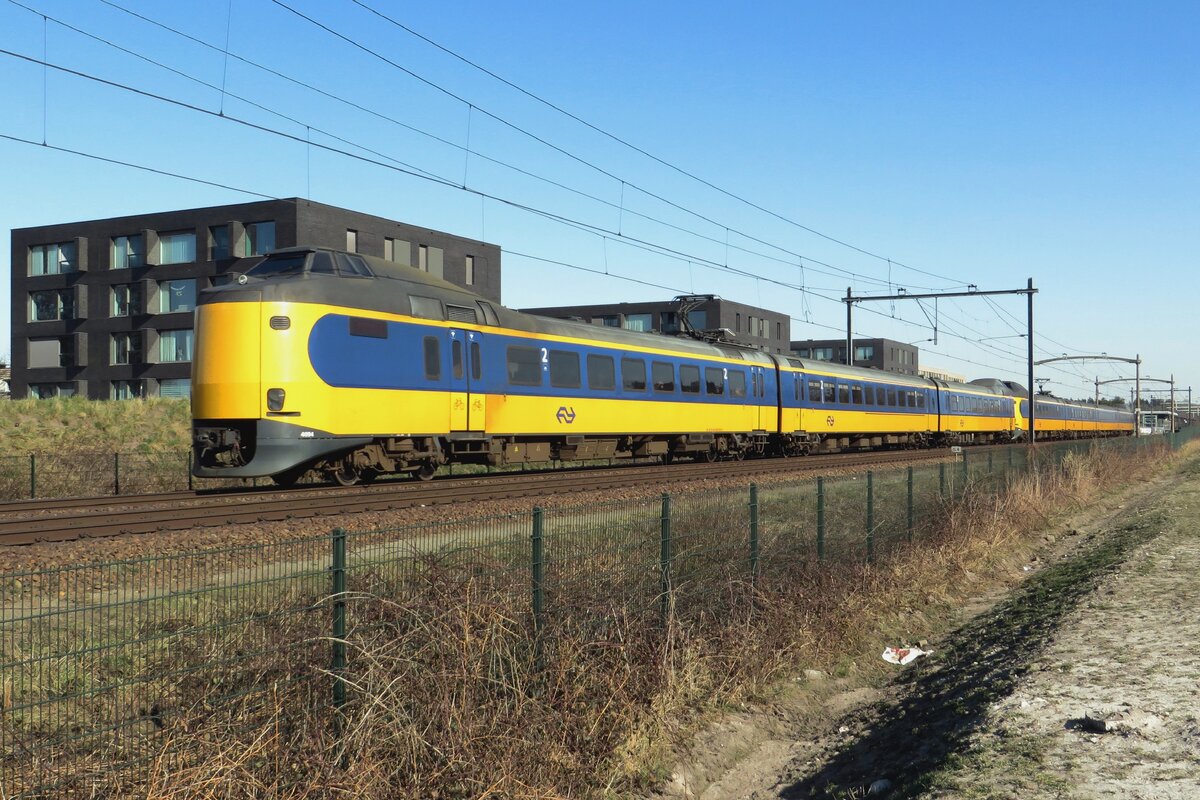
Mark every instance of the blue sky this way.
pixel 978 143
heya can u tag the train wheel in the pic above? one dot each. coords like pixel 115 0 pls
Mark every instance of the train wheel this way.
pixel 710 455
pixel 426 471
pixel 344 475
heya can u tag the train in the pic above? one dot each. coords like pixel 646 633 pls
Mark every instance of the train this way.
pixel 353 367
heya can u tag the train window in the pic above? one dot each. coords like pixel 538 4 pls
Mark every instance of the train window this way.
pixel 814 391
pixel 633 374
pixel 737 383
pixel 689 379
pixel 524 366
pixel 602 373
pixel 920 399
pixel 856 394
pixel 869 395
pixel 714 380
pixel 891 397
pixel 476 362
pixel 433 358
pixel 426 307
pixel 456 358
pixel 662 375
pixel 322 262
pixel 564 369
pixel 844 393
pixel 903 398
pixel 350 265
pixel 373 328
pixel 797 386
pixel 489 313
pixel 830 391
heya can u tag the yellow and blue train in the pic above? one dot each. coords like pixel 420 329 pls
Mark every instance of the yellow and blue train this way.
pixel 354 367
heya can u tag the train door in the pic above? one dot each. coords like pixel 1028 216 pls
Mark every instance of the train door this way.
pixel 468 407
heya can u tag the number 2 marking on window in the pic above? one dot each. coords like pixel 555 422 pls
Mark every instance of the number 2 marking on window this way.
pixel 545 356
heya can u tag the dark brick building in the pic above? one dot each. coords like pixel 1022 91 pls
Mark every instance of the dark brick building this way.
pixel 104 308
pixel 882 354
pixel 756 327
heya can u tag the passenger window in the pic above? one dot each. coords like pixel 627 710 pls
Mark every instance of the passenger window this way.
pixel 714 380
pixel 844 393
pixel 564 369
pixel 891 397
pixel 633 374
pixel 903 399
pixel 433 358
pixel 689 379
pixel 830 391
pixel 372 328
pixel 737 383
pixel 869 395
pixel 524 366
pixel 856 394
pixel 663 375
pixel 476 362
pixel 814 391
pixel 602 373
pixel 920 399
pixel 456 358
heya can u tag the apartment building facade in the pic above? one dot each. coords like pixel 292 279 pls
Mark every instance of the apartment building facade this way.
pixel 104 308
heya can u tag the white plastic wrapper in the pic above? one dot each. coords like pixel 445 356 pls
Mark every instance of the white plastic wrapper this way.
pixel 903 655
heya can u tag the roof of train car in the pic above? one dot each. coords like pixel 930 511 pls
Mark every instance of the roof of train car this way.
pixel 402 282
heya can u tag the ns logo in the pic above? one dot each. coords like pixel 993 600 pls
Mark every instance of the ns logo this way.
pixel 566 414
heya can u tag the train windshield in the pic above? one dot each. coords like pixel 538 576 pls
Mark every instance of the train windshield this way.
pixel 279 264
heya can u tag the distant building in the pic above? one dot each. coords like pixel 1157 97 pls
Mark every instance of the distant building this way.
pixel 749 325
pixel 104 308
pixel 941 375
pixel 882 354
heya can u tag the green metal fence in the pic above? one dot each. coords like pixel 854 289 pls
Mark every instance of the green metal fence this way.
pixel 108 670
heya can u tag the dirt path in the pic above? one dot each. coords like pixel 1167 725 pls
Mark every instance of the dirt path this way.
pixel 1084 682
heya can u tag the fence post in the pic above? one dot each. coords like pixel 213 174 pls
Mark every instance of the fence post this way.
pixel 754 533
pixel 910 504
pixel 189 470
pixel 338 666
pixel 870 517
pixel 664 556
pixel 32 476
pixel 116 473
pixel 820 519
pixel 537 562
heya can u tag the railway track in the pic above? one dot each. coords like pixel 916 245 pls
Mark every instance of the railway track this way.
pixel 29 522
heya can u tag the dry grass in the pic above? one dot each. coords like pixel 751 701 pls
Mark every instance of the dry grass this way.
pixel 452 695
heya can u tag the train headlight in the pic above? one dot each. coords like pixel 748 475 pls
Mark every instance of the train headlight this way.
pixel 275 399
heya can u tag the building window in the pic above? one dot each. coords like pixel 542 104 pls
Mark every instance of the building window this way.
pixel 52 259
pixel 51 305
pixel 698 320
pixel 126 299
pixel 397 250
pixel 126 348
pixel 422 258
pixel 822 353
pixel 430 259
pixel 864 352
pixel 52 353
pixel 351 241
pixel 177 248
pixel 470 270
pixel 128 251
pixel 260 238
pixel 737 325
pixel 609 320
pixel 389 249
pixel 778 330
pixel 45 391
pixel 126 390
pixel 175 387
pixel 218 242
pixel 802 353
pixel 175 345
pixel 639 322
pixel 177 295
